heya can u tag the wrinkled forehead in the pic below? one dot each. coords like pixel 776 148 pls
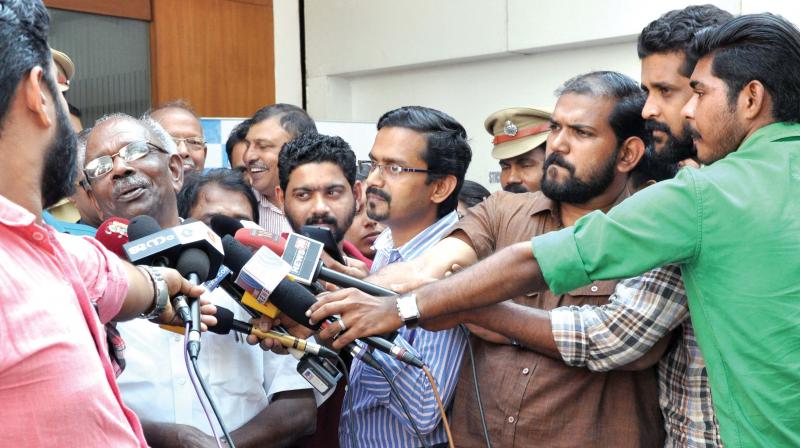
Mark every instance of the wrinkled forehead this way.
pixel 109 136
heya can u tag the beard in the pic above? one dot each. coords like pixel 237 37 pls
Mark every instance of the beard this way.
pixel 372 213
pixel 574 190
pixel 676 148
pixel 338 228
pixel 60 164
pixel 515 188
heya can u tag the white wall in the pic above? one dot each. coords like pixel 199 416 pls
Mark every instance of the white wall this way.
pixel 467 57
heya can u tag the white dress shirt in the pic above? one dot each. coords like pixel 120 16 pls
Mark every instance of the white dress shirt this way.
pixel 242 378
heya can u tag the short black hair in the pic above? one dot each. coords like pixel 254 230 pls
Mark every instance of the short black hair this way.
pixel 24 25
pixel 228 179
pixel 673 32
pixel 626 116
pixel 447 151
pixel 293 120
pixel 237 135
pixel 472 193
pixel 316 148
pixel 756 47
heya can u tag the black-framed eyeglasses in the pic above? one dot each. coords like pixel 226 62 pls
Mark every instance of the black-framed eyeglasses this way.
pixel 390 169
pixel 192 143
pixel 103 165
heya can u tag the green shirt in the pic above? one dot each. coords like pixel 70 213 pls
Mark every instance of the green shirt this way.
pixel 734 227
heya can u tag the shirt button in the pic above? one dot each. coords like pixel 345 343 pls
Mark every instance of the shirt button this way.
pixel 593 288
pixel 177 338
pixel 38 236
pixel 182 381
pixel 511 419
pixel 526 371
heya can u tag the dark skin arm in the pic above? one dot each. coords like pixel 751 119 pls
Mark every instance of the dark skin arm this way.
pixel 510 272
pixel 291 415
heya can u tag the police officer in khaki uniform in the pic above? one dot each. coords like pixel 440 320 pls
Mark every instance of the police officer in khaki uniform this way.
pixel 519 134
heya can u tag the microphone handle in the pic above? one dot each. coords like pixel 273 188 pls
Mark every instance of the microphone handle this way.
pixel 193 346
pixel 337 278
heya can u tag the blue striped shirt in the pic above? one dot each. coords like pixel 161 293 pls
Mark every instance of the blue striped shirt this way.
pixel 378 418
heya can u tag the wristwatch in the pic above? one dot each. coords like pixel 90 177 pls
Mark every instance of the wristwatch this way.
pixel 161 293
pixel 407 309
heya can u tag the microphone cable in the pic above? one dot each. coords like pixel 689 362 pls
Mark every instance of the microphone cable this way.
pixel 403 405
pixel 346 372
pixel 441 406
pixel 477 386
pixel 195 377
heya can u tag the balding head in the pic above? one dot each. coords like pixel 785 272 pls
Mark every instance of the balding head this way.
pixel 145 186
pixel 183 125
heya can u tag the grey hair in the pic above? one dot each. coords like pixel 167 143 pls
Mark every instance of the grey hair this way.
pixel 161 136
pixel 82 139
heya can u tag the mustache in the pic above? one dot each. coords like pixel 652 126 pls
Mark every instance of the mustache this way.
pixel 557 159
pixel 127 183
pixel 653 125
pixel 322 219
pixel 515 188
pixel 377 192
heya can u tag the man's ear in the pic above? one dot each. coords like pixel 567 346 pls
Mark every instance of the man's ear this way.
pixel 753 100
pixel 630 154
pixel 443 188
pixel 176 171
pixel 280 198
pixel 33 90
pixel 358 188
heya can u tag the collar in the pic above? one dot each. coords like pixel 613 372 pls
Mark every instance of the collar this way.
pixel 14 215
pixel 541 203
pixel 432 233
pixel 769 133
pixel 264 202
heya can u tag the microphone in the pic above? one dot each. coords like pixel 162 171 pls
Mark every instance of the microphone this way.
pixel 112 234
pixel 324 236
pixel 149 246
pixel 237 255
pixel 193 265
pixel 293 300
pixel 254 239
pixel 225 225
pixel 226 323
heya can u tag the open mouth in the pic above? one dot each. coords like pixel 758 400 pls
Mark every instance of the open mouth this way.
pixel 257 169
pixel 131 194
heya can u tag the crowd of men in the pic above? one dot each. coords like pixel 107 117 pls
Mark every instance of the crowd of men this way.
pixel 635 283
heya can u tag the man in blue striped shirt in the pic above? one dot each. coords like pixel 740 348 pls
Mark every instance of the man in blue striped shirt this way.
pixel 418 163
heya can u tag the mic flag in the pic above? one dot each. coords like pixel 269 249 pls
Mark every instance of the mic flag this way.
pixel 195 234
pixel 113 234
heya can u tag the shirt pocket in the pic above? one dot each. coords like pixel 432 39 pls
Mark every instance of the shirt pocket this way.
pixel 595 293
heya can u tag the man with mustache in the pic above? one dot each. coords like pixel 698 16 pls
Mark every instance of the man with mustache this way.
pixel 183 125
pixel 416 169
pixel 260 396
pixel 318 187
pixel 269 129
pixel 58 385
pixel 519 135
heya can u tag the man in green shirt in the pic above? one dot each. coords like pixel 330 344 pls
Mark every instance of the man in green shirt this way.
pixel 733 226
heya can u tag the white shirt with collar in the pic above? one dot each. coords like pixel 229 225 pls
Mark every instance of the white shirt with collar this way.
pixel 242 378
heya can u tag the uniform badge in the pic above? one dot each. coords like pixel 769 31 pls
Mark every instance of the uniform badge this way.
pixel 510 128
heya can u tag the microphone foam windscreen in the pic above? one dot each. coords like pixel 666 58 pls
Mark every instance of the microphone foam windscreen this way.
pixel 236 254
pixel 142 226
pixel 293 300
pixel 224 321
pixel 225 225
pixel 112 234
pixel 193 260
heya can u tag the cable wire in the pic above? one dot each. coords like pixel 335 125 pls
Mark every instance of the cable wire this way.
pixel 349 401
pixel 441 406
pixel 194 376
pixel 405 408
pixel 477 386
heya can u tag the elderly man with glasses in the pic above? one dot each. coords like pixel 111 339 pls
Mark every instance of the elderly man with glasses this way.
pixel 183 125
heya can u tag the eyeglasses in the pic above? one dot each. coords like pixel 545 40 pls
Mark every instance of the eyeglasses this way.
pixel 192 143
pixel 103 165
pixel 390 169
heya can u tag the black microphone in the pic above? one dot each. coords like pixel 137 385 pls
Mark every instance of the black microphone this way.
pixel 193 265
pixel 237 255
pixel 143 226
pixel 226 322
